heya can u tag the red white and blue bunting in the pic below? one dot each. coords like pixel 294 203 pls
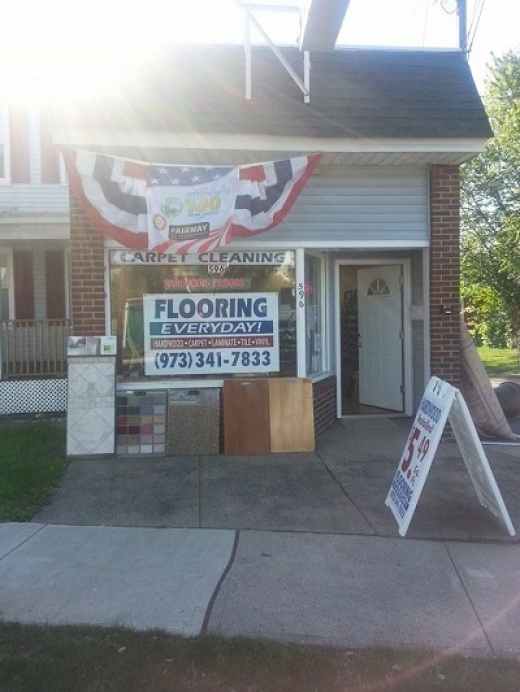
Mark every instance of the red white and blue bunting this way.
pixel 184 208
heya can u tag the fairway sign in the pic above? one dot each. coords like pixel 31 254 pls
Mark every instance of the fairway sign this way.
pixel 441 402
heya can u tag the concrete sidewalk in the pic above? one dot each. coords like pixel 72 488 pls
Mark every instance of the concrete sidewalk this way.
pixel 294 547
pixel 346 591
pixel 340 489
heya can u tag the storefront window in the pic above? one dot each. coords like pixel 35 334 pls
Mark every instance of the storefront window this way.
pixel 205 291
pixel 314 315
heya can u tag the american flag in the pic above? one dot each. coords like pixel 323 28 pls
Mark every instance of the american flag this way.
pixel 113 192
pixel 184 176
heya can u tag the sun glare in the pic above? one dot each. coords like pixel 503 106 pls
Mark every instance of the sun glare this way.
pixel 58 49
pixel 45 74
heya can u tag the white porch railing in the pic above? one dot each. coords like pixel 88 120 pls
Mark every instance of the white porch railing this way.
pixel 34 348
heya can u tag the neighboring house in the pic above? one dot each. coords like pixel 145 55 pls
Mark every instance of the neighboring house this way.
pixel 34 240
pixel 370 248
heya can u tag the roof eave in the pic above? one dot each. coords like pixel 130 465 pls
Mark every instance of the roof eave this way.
pixel 339 151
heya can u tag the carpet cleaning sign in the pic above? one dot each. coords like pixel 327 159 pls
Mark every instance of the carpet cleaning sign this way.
pixel 211 334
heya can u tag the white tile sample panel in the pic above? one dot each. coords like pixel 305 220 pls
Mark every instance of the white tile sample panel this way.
pixel 91 406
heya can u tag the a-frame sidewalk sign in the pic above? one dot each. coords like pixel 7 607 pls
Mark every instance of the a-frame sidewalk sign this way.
pixel 442 402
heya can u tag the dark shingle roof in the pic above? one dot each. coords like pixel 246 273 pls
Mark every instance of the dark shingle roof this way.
pixel 354 93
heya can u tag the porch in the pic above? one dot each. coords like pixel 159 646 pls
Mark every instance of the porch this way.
pixel 34 348
pixel 33 362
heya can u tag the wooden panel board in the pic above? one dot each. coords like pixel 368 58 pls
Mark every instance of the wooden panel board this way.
pixel 291 418
pixel 246 416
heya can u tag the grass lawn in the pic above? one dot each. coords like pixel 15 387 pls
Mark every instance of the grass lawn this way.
pixel 499 361
pixel 32 460
pixel 81 659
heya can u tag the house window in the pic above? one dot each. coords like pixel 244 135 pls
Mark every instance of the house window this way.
pixel 4 145
pixel 19 145
pixel 23 275
pixel 52 169
pixel 314 315
pixel 4 286
pixel 54 284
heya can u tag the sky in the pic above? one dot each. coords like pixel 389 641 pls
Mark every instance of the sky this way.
pixel 112 36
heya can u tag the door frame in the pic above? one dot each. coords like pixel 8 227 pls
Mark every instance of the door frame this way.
pixel 407 327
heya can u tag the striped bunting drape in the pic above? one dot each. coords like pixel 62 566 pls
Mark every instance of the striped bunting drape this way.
pixel 118 195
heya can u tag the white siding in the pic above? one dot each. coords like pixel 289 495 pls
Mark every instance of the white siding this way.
pixel 31 198
pixel 362 203
pixel 340 206
pixel 34 197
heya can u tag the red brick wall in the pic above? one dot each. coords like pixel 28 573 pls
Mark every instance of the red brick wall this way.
pixel 86 273
pixel 445 272
pixel 324 402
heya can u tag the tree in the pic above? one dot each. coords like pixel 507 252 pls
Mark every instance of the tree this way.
pixel 490 213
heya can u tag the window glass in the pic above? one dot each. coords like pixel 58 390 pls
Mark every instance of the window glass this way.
pixel 4 286
pixel 314 316
pixel 49 154
pixel 130 282
pixel 23 284
pixel 19 163
pixel 3 142
pixel 54 284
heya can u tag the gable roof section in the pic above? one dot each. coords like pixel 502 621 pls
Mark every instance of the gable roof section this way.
pixel 356 95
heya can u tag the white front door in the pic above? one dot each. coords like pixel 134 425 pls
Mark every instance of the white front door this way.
pixel 381 336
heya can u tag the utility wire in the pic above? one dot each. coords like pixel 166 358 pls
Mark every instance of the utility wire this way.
pixel 425 22
pixel 474 17
pixel 477 14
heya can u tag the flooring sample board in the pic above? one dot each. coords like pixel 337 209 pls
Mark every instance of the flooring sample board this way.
pixel 91 405
pixel 246 416
pixel 291 417
pixel 193 421
pixel 141 422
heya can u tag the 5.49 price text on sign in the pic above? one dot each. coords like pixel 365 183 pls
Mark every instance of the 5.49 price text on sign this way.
pixel 419 451
pixel 201 334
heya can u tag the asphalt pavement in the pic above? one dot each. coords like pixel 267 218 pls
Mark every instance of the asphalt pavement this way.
pixel 290 547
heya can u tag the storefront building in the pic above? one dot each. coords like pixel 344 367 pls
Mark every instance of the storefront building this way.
pixel 356 290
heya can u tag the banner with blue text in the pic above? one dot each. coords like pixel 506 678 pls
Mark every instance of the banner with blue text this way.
pixel 201 334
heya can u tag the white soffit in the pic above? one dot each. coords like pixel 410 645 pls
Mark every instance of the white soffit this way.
pixel 31 229
pixel 243 148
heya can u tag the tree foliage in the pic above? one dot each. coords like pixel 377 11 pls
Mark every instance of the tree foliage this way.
pixel 491 211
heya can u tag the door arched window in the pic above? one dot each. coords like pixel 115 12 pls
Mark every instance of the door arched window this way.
pixel 378 287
